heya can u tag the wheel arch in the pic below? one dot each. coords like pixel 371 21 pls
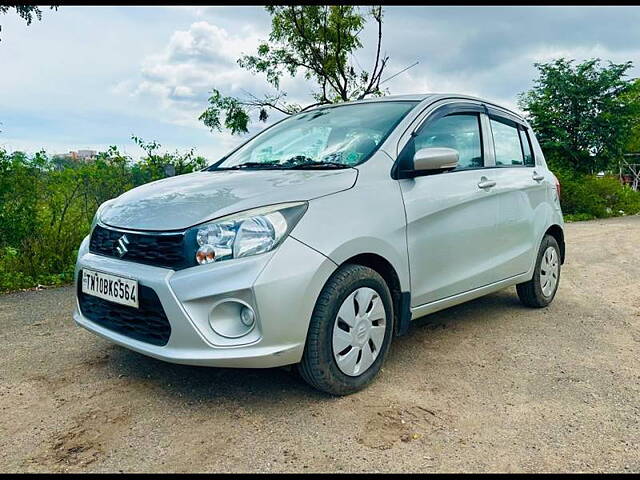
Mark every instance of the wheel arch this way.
pixel 401 300
pixel 557 232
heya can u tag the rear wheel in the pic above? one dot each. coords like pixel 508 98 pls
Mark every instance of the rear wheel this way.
pixel 540 290
pixel 350 331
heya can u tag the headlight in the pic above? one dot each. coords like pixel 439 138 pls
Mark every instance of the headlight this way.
pixel 243 234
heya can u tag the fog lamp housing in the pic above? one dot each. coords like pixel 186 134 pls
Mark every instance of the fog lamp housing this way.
pixel 232 318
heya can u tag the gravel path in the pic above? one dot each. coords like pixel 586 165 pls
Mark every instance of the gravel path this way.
pixel 485 386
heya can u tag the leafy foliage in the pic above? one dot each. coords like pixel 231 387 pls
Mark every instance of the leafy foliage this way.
pixel 26 12
pixel 155 165
pixel 317 40
pixel 633 141
pixel 236 118
pixel 47 205
pixel 586 196
pixel 582 113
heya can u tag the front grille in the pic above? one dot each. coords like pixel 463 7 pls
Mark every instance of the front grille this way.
pixel 161 250
pixel 147 324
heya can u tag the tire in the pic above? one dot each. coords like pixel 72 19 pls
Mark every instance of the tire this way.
pixel 536 292
pixel 319 366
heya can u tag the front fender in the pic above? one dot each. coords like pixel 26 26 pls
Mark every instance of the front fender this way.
pixel 367 219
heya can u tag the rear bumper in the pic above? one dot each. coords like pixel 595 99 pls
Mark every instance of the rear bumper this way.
pixel 282 287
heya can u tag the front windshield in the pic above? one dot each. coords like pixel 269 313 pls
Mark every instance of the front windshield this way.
pixel 328 137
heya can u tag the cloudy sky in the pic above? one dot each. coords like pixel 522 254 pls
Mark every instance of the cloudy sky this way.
pixel 90 77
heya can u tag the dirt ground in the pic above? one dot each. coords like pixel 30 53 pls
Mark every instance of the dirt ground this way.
pixel 486 386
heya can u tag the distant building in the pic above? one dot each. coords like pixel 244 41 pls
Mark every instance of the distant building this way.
pixel 86 154
pixel 80 155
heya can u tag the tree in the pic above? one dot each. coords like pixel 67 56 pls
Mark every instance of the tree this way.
pixel 633 96
pixel 317 40
pixel 155 165
pixel 26 12
pixel 582 113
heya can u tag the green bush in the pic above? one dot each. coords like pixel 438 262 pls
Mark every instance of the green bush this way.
pixel 47 204
pixel 13 276
pixel 578 217
pixel 587 196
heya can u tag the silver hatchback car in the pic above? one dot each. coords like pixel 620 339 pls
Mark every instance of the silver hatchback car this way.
pixel 318 240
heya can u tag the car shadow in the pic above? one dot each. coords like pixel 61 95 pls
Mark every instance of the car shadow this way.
pixel 195 384
pixel 493 303
pixel 199 384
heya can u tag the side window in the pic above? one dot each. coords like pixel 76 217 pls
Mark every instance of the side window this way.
pixel 526 148
pixel 506 141
pixel 458 131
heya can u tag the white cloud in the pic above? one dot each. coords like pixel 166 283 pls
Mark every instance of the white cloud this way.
pixel 206 41
pixel 180 77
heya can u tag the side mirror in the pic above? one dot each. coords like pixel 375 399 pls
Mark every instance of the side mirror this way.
pixel 435 158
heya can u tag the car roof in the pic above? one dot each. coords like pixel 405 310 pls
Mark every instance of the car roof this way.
pixel 432 97
pixel 391 98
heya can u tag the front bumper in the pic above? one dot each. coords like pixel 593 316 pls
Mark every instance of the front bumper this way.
pixel 282 287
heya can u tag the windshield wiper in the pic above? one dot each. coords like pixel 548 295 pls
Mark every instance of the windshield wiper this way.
pixel 298 162
pixel 265 165
pixel 314 164
pixel 303 162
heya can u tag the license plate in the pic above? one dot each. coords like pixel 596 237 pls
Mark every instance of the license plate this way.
pixel 110 287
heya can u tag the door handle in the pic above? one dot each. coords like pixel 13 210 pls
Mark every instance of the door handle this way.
pixel 485 183
pixel 537 177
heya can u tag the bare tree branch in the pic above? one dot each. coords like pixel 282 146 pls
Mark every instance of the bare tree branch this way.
pixel 267 101
pixel 377 14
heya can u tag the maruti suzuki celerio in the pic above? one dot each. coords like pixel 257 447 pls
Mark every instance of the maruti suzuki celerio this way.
pixel 318 240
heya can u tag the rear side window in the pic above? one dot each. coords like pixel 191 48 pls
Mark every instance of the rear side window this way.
pixel 507 146
pixel 526 148
pixel 458 131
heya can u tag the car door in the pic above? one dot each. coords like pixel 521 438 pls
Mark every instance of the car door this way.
pixel 520 190
pixel 451 216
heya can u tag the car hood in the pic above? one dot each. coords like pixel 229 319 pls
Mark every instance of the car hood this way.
pixel 179 202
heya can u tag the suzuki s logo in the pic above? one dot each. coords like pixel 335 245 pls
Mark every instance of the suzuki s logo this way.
pixel 122 246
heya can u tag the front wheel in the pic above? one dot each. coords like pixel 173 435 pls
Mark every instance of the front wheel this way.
pixel 350 331
pixel 540 290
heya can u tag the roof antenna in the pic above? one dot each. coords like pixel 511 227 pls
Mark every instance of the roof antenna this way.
pixel 401 71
